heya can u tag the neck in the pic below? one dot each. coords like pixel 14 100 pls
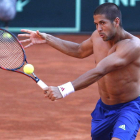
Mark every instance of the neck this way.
pixel 120 35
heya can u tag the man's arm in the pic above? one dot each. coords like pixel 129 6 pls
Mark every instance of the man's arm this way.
pixel 71 48
pixel 123 56
pixel 67 47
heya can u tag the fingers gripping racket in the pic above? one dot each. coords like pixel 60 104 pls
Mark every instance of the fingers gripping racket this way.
pixel 13 57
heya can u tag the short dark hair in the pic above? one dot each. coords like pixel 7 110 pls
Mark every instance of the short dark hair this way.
pixel 110 10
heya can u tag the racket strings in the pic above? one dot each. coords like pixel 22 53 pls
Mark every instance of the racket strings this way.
pixel 11 53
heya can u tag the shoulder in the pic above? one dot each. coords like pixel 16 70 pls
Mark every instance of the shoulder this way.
pixel 95 36
pixel 133 42
pixel 129 48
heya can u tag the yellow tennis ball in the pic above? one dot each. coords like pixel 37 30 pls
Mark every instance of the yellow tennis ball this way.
pixel 6 35
pixel 28 69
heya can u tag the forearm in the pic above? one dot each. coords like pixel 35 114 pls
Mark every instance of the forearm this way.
pixel 87 79
pixel 83 81
pixel 66 47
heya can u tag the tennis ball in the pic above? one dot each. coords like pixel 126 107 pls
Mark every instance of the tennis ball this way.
pixel 28 69
pixel 6 35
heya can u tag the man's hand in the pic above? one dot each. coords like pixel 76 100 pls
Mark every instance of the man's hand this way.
pixel 53 93
pixel 35 37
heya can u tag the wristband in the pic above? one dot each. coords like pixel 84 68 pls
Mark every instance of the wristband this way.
pixel 66 89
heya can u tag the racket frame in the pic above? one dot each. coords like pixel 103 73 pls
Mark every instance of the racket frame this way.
pixel 35 78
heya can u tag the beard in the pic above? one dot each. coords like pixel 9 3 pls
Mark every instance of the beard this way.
pixel 109 37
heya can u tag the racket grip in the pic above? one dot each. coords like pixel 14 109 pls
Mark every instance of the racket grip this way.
pixel 42 84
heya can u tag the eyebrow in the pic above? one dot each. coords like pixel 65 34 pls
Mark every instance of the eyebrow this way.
pixel 99 21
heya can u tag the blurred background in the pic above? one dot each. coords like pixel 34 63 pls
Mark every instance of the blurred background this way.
pixel 69 16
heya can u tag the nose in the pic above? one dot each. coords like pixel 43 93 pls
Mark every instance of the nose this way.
pixel 99 28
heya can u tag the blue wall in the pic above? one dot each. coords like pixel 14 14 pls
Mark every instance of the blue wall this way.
pixel 70 16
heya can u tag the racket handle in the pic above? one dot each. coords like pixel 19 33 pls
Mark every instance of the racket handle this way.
pixel 42 84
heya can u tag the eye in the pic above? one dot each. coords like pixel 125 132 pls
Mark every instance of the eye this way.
pixel 102 23
pixel 95 23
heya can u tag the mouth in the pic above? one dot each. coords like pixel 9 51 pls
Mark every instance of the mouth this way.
pixel 101 35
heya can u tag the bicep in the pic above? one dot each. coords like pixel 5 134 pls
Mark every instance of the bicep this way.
pixel 86 48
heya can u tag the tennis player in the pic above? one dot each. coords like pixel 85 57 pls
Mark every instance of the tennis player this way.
pixel 117 71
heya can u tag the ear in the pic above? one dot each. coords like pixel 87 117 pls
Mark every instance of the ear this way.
pixel 117 22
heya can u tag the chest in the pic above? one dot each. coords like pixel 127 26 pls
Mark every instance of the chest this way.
pixel 102 50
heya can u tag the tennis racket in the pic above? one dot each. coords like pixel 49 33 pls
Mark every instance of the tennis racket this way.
pixel 13 57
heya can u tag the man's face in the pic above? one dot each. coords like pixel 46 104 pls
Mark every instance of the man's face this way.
pixel 105 27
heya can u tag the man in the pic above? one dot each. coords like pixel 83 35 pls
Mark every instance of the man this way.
pixel 117 56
